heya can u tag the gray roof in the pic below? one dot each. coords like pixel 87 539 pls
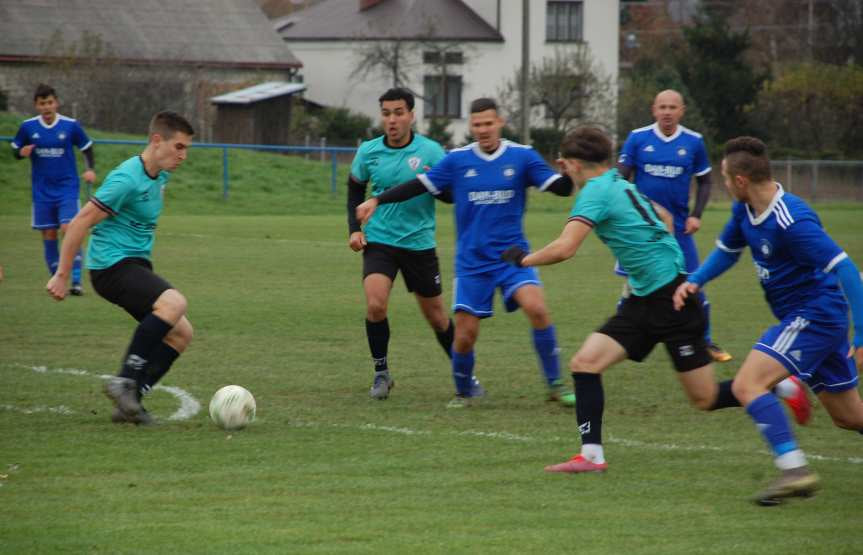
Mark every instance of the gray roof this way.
pixel 264 91
pixel 446 20
pixel 228 33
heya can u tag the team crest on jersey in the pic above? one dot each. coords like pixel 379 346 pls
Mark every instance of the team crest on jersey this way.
pixel 414 162
pixel 509 172
pixel 681 151
pixel 766 248
pixel 61 136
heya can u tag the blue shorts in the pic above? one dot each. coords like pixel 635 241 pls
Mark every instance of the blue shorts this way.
pixel 51 215
pixel 816 352
pixel 474 294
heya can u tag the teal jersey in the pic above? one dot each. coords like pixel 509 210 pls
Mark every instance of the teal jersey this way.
pixel 409 224
pixel 133 201
pixel 625 220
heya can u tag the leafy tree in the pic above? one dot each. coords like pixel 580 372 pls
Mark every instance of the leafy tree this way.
pixel 437 130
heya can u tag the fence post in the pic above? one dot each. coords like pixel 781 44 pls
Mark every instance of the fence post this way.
pixel 788 174
pixel 225 183
pixel 323 146
pixel 308 142
pixel 813 189
pixel 335 169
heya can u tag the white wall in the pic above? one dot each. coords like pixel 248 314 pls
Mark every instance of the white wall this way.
pixel 327 66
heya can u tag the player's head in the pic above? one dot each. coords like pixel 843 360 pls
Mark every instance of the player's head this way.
pixel 668 109
pixel 485 123
pixel 585 150
pixel 397 114
pixel 745 164
pixel 45 100
pixel 170 136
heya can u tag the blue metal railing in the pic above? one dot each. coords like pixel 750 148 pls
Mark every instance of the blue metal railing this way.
pixel 332 151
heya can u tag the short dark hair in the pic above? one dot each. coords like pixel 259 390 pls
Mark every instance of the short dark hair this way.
pixel 482 104
pixel 44 91
pixel 398 93
pixel 167 123
pixel 747 156
pixel 586 143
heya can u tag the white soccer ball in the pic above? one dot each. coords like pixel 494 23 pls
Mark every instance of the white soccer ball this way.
pixel 232 407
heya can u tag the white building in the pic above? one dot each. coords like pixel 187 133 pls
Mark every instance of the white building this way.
pixel 482 40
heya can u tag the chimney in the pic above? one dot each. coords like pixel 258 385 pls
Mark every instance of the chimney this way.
pixel 366 4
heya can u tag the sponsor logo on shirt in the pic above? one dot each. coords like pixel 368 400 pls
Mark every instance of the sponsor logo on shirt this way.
pixel 658 170
pixel 681 152
pixel 491 197
pixel 470 173
pixel 649 148
pixel 762 272
pixel 50 152
pixel 414 162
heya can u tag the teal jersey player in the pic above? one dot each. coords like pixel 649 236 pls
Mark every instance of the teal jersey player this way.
pixel 410 224
pixel 133 199
pixel 627 222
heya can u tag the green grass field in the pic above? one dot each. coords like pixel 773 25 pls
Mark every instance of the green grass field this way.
pixel 276 301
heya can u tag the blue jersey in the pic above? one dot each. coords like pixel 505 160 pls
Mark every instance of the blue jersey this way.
pixel 54 172
pixel 490 193
pixel 793 257
pixel 664 166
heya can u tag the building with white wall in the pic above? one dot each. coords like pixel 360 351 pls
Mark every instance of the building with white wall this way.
pixel 482 39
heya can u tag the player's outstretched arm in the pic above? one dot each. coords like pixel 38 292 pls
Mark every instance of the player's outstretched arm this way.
pixel 562 248
pixel 852 286
pixel 89 216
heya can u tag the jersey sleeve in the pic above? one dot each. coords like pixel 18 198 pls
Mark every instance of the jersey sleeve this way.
pixel 700 162
pixel 113 192
pixel 80 138
pixel 440 177
pixel 591 206
pixel 627 152
pixel 539 174
pixel 810 245
pixel 21 138
pixel 359 170
pixel 731 240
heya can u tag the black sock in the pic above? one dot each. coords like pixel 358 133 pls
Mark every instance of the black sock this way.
pixel 160 362
pixel 589 405
pixel 378 334
pixel 148 335
pixel 445 338
pixel 724 398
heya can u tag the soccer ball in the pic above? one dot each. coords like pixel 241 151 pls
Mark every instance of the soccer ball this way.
pixel 232 407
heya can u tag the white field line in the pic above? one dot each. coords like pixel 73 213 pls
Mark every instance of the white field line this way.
pixel 189 406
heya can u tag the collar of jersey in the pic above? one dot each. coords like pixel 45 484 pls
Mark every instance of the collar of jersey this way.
pixel 45 125
pixel 407 144
pixel 767 211
pixel 663 137
pixel 494 155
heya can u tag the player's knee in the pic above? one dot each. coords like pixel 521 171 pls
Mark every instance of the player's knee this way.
pixel 180 335
pixel 464 340
pixel 376 310
pixel 171 305
pixel 701 402
pixel 583 363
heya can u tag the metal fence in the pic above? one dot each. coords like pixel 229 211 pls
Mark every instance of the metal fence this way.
pixel 325 152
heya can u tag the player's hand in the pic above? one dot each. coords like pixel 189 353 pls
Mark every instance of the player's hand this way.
pixel 25 151
pixel 89 176
pixel 683 291
pixel 357 241
pixel 857 354
pixel 366 209
pixel 693 224
pixel 514 255
pixel 57 287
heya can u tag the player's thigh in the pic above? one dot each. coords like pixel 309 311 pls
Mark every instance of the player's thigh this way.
pixel 421 271
pixel 758 373
pixel 700 385
pixel 521 288
pixel 627 327
pixel 130 284
pixel 377 288
pixel 844 407
pixel 597 353
pixel 473 294
pixel 380 259
pixel 434 311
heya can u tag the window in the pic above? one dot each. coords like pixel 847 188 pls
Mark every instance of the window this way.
pixel 440 102
pixel 563 21
pixel 450 57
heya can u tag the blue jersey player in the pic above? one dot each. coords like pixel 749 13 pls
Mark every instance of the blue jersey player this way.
pixel 488 181
pixel 661 159
pixel 809 283
pixel 123 215
pixel 48 140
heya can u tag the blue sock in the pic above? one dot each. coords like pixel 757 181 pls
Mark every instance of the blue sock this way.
pixel 462 371
pixel 770 418
pixel 545 343
pixel 76 269
pixel 52 255
pixel 705 306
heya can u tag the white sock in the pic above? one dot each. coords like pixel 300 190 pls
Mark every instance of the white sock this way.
pixel 593 452
pixel 790 460
pixel 786 389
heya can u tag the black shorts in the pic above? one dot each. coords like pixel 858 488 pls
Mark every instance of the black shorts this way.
pixel 419 268
pixel 642 322
pixel 130 284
